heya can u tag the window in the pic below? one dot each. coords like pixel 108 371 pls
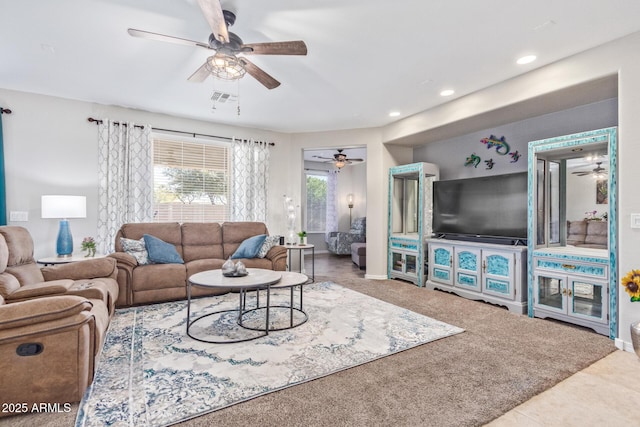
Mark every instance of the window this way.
pixel 316 190
pixel 191 181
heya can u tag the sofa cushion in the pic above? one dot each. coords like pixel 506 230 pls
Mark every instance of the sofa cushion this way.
pixel 597 233
pixel 201 240
pixel 250 247
pixel 137 249
pixel 161 252
pixel 576 232
pixel 158 276
pixel 269 242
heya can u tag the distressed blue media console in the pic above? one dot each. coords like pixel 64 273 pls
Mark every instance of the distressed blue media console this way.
pixel 488 272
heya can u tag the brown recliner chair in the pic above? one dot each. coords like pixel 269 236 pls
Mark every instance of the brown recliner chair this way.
pixel 48 349
pixel 22 279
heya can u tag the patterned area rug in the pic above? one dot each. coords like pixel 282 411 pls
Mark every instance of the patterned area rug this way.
pixel 152 374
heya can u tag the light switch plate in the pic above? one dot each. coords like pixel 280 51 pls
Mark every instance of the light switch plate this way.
pixel 18 216
pixel 635 220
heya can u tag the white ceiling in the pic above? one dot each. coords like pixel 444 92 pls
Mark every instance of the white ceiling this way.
pixel 366 57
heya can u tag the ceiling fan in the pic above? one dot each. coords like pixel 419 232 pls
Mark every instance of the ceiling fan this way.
pixel 226 62
pixel 339 159
pixel 598 171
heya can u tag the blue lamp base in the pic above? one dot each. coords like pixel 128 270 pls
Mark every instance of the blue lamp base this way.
pixel 64 245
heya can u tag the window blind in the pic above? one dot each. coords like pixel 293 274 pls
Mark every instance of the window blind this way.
pixel 191 181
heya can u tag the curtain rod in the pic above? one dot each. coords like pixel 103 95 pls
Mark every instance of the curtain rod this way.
pixel 194 134
pixel 98 121
pixel 5 111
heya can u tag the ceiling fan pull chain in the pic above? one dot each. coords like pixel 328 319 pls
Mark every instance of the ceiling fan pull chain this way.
pixel 238 99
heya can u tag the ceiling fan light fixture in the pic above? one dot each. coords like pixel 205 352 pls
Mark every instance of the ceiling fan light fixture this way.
pixel 225 67
pixel 340 164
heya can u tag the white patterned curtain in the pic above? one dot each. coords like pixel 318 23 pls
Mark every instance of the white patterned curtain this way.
pixel 250 180
pixel 125 173
pixel 332 203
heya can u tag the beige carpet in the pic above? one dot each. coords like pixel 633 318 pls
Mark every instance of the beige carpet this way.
pixel 469 379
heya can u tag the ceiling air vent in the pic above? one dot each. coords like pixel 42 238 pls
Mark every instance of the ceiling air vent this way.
pixel 221 97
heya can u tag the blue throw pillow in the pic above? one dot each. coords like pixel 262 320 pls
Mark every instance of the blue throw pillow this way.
pixel 161 252
pixel 250 247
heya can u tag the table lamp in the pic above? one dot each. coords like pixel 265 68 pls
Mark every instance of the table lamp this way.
pixel 64 207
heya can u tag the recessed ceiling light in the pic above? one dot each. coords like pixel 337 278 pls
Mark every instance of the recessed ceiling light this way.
pixel 447 92
pixel 526 59
pixel 394 114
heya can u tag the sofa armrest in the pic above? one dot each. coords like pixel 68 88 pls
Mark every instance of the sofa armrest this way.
pixel 278 257
pixel 125 264
pixel 87 269
pixel 40 289
pixel 41 310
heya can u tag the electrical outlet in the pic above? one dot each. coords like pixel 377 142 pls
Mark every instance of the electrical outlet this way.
pixel 19 216
pixel 635 220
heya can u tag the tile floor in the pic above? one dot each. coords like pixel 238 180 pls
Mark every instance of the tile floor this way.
pixel 604 394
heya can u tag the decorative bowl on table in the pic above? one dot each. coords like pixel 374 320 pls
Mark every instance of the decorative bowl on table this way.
pixel 235 274
pixel 229 269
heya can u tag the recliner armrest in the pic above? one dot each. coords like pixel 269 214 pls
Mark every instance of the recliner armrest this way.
pixel 41 310
pixel 40 289
pixel 88 269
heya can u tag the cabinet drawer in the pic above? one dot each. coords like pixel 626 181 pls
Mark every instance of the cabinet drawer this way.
pixel 594 270
pixel 407 245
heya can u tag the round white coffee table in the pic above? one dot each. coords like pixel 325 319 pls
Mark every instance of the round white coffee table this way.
pixel 256 279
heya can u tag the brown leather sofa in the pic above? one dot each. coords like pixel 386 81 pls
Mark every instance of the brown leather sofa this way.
pixel 202 246
pixel 53 322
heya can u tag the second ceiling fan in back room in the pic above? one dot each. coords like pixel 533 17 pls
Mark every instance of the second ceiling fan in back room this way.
pixel 598 172
pixel 339 159
pixel 229 61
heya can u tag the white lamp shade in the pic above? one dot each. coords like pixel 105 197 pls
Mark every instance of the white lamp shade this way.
pixel 64 207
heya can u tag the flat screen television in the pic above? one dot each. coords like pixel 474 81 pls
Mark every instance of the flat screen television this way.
pixel 491 207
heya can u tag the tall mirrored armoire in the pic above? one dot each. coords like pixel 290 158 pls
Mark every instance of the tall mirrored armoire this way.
pixel 572 236
pixel 410 220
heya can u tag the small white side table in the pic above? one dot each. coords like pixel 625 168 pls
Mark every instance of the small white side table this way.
pixel 53 260
pixel 300 249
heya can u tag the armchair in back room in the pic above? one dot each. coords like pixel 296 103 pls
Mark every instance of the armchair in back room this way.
pixel 339 242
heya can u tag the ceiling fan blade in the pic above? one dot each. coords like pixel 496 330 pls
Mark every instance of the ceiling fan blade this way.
pixel 213 13
pixel 259 74
pixel 163 38
pixel 200 74
pixel 582 173
pixel 276 48
pixel 355 160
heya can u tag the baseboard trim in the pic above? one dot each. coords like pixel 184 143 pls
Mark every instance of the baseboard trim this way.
pixel 624 345
pixel 375 277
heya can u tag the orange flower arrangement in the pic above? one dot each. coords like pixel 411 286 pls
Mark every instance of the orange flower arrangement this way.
pixel 631 284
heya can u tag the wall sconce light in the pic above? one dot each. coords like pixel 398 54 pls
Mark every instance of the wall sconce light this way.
pixel 64 207
pixel 350 203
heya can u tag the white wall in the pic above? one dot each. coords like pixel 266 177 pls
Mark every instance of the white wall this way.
pixel 450 154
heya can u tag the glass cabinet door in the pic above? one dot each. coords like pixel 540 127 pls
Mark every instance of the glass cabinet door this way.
pixel 396 261
pixel 588 299
pixel 550 293
pixel 540 202
pixel 411 262
pixel 411 212
pixel 397 212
